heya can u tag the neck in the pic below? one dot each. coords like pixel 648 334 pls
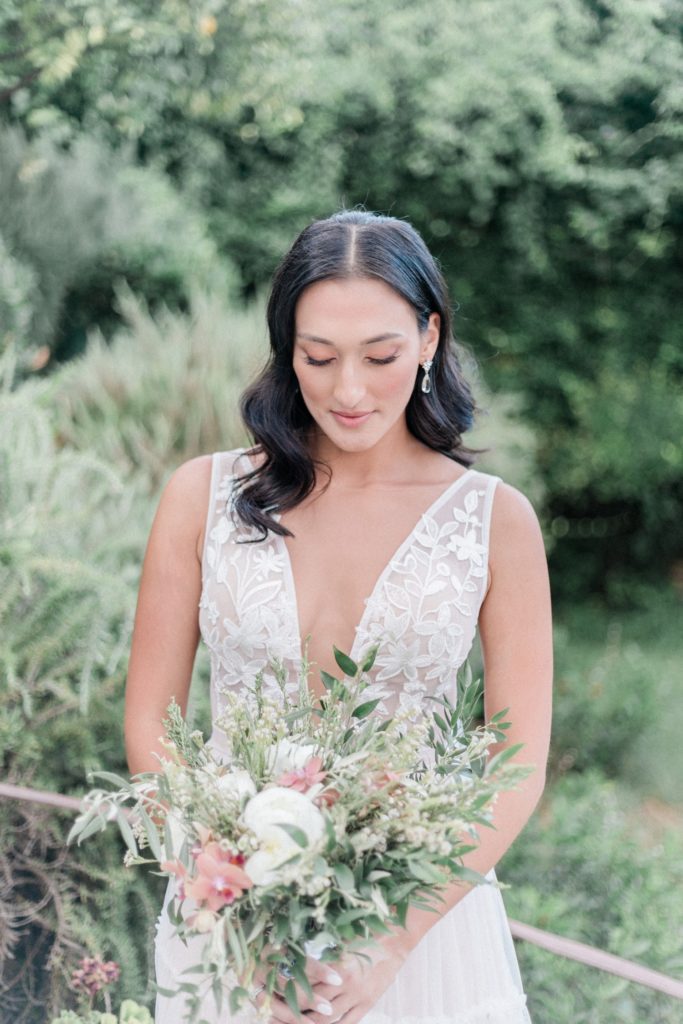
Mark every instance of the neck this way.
pixel 393 458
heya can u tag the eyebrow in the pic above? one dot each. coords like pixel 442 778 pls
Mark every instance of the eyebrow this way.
pixel 368 341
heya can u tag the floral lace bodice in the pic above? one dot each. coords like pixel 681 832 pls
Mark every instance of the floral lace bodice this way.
pixel 423 608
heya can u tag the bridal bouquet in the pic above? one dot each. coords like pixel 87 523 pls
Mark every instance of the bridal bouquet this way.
pixel 319 831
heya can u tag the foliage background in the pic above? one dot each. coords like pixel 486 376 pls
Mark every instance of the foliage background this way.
pixel 155 161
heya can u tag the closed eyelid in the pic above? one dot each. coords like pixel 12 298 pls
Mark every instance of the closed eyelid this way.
pixel 377 360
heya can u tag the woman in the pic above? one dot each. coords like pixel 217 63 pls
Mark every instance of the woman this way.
pixel 357 517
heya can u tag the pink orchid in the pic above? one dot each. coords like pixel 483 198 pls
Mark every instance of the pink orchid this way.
pixel 177 868
pixel 220 878
pixel 302 779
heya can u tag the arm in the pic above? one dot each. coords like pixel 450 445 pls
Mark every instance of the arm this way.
pixel 515 629
pixel 166 629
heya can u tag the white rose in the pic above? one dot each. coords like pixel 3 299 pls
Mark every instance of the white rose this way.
pixel 264 814
pixel 286 756
pixel 237 784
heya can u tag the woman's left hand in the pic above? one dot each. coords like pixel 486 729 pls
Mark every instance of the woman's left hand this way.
pixel 363 981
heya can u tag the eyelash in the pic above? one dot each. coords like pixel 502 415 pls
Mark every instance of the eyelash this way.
pixel 326 362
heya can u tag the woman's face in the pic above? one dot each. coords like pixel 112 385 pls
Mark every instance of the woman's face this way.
pixel 357 352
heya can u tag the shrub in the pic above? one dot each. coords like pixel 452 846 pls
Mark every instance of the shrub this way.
pixel 70 541
pixel 81 220
pixel 614 691
pixel 591 866
pixel 166 388
pixel 17 283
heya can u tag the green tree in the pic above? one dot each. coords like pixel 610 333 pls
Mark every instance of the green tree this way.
pixel 536 145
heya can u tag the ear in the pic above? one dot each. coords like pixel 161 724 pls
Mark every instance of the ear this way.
pixel 429 338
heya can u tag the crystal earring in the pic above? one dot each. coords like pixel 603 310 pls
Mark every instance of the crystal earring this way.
pixel 426 382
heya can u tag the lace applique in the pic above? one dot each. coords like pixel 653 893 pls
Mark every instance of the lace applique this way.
pixel 246 619
pixel 423 609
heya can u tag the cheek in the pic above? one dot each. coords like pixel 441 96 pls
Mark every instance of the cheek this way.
pixel 311 384
pixel 396 380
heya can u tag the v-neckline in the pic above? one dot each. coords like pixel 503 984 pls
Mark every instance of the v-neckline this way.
pixel 368 601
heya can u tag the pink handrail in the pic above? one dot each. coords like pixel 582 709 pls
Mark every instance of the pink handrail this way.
pixel 557 944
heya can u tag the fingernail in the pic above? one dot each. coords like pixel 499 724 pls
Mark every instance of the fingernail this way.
pixel 332 978
pixel 324 1008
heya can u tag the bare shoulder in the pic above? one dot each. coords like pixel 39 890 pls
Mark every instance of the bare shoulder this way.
pixel 188 484
pixel 515 529
pixel 185 498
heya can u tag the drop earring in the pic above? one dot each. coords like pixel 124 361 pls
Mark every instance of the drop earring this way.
pixel 426 382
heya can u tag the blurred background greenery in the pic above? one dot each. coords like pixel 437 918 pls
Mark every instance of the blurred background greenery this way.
pixel 156 159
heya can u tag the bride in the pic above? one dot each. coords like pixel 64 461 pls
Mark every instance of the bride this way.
pixel 356 517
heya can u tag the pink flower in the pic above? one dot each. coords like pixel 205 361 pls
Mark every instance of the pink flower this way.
pixel 327 798
pixel 220 879
pixel 302 779
pixel 94 974
pixel 177 868
pixel 384 778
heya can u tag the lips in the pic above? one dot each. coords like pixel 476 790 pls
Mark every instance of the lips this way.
pixel 350 419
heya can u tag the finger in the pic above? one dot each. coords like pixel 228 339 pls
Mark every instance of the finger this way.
pixel 341 1004
pixel 319 999
pixel 352 1016
pixel 319 972
pixel 279 1011
pixel 340 1012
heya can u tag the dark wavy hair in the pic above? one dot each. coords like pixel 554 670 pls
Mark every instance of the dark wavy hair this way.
pixel 351 243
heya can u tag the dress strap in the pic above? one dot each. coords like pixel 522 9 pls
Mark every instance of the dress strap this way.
pixel 225 468
pixel 488 483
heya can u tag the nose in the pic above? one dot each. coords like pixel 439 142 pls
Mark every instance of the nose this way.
pixel 349 387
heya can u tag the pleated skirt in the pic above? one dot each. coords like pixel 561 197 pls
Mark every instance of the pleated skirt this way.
pixel 464 971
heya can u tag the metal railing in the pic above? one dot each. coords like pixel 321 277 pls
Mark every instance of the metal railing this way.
pixel 557 944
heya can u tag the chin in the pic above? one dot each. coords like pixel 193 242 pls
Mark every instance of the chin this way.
pixel 350 439
pixel 353 444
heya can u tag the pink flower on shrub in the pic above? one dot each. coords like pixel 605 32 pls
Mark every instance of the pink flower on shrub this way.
pixel 94 974
pixel 302 779
pixel 219 880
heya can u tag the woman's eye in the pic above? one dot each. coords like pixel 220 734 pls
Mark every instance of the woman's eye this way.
pixel 317 362
pixel 310 361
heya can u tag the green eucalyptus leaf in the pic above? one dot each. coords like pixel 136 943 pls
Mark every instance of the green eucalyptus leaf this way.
pixel 370 658
pixel 328 681
pixel 234 944
pixel 502 757
pixel 344 876
pixel 152 833
pixel 126 831
pixel 96 824
pixel 363 710
pixel 440 722
pixel 348 667
pixel 290 997
pixel 296 833
pixel 237 996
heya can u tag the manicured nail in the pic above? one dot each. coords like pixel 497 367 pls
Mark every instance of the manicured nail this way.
pixel 324 1008
pixel 332 978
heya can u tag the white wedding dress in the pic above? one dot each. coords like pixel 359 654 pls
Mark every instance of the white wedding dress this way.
pixel 424 609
